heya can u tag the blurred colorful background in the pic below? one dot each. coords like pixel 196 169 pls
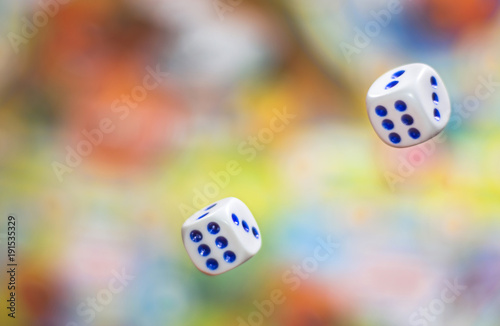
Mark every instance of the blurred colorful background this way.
pixel 118 120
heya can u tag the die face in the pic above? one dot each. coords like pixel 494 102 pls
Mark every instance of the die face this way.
pixel 396 80
pixel 397 119
pixel 217 242
pixel 244 225
pixel 403 114
pixel 434 98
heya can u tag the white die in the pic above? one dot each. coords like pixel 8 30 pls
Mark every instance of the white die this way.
pixel 408 105
pixel 221 236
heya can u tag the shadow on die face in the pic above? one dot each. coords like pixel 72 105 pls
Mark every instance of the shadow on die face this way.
pixel 408 105
pixel 221 236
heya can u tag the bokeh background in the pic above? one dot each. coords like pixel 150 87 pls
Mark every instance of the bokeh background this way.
pixel 405 220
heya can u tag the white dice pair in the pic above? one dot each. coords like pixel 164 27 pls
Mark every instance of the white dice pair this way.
pixel 221 236
pixel 408 105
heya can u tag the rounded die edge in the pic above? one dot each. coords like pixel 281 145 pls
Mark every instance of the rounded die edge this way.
pixel 253 249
